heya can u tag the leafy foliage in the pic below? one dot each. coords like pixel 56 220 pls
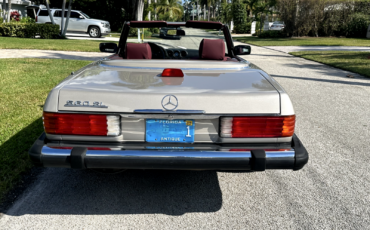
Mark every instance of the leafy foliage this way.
pixel 29 30
pixel 325 17
pixel 272 34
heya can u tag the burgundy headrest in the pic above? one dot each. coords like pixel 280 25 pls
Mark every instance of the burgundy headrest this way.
pixel 212 49
pixel 138 51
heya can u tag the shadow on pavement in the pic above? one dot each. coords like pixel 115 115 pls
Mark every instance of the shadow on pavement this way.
pixel 84 192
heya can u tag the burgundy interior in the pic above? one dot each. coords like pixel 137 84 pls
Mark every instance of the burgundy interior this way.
pixel 138 51
pixel 212 49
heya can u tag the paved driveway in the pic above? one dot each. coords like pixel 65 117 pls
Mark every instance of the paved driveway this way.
pixel 331 192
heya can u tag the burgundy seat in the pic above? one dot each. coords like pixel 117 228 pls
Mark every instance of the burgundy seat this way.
pixel 138 51
pixel 212 49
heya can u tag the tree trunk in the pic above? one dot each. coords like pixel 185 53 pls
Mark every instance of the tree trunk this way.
pixel 204 12
pixel 149 14
pixel 155 11
pixel 209 12
pixel 68 16
pixel 139 10
pixel 4 11
pixel 62 23
pixel 9 9
pixel 49 12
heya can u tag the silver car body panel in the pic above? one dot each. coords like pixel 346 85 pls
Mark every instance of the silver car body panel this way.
pixel 128 85
pixel 127 89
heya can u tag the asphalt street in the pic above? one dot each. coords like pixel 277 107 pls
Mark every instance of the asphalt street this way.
pixel 331 192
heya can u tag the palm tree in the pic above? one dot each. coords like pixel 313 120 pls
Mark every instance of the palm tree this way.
pixel 170 7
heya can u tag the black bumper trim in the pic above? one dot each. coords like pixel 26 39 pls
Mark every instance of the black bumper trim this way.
pixel 301 154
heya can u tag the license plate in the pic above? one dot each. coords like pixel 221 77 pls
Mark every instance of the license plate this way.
pixel 159 130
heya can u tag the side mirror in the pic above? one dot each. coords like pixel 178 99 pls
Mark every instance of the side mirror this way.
pixel 81 17
pixel 242 50
pixel 108 47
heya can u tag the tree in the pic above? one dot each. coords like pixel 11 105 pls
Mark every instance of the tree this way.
pixel 169 9
pixel 4 11
pixel 139 10
pixel 9 9
pixel 49 12
pixel 68 16
pixel 62 23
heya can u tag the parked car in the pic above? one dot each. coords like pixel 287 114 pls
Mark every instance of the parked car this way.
pixel 79 22
pixel 277 25
pixel 190 104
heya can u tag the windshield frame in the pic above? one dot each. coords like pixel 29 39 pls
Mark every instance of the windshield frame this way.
pixel 190 24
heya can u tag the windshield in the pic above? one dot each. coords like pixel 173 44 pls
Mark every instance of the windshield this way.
pixel 175 37
pixel 86 16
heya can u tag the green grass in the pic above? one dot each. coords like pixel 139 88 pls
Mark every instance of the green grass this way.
pixel 49 44
pixel 304 41
pixel 357 62
pixel 24 85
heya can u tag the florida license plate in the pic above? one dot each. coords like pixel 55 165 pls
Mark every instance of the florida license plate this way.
pixel 159 130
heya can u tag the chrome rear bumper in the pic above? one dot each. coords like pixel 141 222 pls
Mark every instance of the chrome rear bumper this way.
pixel 184 159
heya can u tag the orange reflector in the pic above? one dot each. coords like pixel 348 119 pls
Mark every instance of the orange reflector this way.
pixel 172 73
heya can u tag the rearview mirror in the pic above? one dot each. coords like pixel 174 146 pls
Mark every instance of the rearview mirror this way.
pixel 180 32
pixel 242 50
pixel 81 17
pixel 108 47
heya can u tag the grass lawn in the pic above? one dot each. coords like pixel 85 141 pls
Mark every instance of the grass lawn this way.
pixel 24 85
pixel 304 41
pixel 357 62
pixel 49 44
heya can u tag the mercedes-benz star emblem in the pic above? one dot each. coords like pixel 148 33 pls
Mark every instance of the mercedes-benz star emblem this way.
pixel 170 102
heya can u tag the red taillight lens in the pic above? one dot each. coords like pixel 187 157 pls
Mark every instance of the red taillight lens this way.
pixel 247 127
pixel 81 124
pixel 172 73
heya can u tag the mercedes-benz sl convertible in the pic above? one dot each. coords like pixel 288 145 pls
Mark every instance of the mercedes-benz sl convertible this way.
pixel 190 103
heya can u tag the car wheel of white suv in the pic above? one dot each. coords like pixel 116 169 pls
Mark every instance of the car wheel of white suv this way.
pixel 94 32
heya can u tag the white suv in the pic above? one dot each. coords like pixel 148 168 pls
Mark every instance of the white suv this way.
pixel 78 22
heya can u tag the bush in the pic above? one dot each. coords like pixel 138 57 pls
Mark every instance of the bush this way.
pixel 271 34
pixel 29 30
pixel 244 28
pixel 132 32
pixel 357 26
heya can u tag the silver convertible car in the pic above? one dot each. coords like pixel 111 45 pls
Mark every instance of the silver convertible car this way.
pixel 189 103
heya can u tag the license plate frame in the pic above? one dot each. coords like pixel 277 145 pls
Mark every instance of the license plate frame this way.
pixel 170 131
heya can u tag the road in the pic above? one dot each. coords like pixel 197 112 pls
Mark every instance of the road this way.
pixel 331 192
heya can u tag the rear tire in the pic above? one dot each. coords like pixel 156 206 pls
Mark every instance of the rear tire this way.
pixel 94 32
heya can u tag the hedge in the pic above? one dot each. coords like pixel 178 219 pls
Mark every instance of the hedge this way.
pixel 29 30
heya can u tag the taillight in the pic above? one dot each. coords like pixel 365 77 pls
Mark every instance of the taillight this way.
pixel 245 127
pixel 81 124
pixel 172 73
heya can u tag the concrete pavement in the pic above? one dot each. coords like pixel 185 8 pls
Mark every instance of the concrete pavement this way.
pixel 54 54
pixel 288 49
pixel 331 192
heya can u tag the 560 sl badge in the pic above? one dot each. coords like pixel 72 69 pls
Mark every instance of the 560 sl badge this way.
pixel 95 104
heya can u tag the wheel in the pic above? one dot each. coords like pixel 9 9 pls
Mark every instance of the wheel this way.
pixel 94 32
